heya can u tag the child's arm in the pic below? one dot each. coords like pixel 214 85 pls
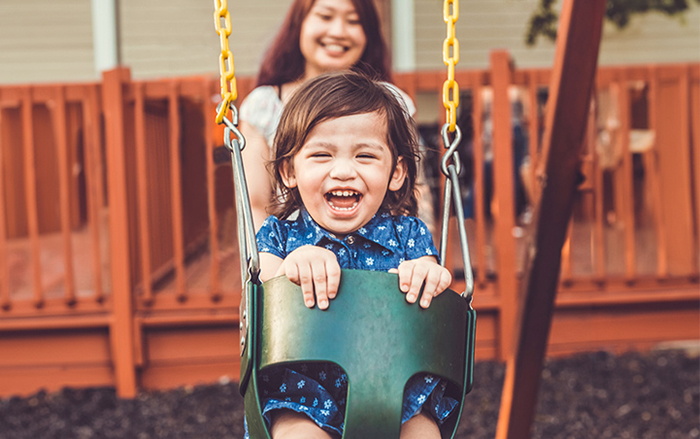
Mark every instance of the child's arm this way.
pixel 313 268
pixel 413 273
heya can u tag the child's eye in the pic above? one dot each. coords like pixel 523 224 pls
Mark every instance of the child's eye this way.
pixel 320 154
pixel 366 156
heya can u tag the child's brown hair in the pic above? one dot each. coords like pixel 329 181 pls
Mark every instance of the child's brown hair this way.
pixel 339 94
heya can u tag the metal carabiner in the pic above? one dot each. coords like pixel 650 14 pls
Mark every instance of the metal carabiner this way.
pixel 453 193
pixel 250 260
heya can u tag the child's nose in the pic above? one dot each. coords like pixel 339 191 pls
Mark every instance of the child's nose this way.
pixel 343 170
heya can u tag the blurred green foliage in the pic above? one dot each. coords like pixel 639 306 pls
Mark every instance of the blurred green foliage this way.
pixel 543 21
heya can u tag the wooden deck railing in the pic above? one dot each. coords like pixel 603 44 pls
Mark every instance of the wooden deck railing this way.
pixel 118 257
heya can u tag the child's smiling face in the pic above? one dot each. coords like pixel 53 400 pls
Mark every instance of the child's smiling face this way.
pixel 343 171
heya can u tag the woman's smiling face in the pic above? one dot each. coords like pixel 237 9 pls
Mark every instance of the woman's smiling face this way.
pixel 344 170
pixel 331 37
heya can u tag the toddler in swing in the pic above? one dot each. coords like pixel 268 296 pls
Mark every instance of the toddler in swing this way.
pixel 344 165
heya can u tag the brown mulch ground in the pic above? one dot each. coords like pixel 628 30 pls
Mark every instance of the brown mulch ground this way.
pixel 654 395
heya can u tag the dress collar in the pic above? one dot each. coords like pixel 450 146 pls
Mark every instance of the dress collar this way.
pixel 380 230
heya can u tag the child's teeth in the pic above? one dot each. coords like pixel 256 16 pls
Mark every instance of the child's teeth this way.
pixel 344 208
pixel 343 193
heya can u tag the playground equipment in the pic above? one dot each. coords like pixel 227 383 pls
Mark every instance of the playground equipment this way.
pixel 380 346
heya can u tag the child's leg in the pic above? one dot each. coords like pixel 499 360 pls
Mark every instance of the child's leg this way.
pixel 287 424
pixel 421 426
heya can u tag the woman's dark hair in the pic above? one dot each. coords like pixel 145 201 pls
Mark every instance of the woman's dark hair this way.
pixel 338 94
pixel 283 62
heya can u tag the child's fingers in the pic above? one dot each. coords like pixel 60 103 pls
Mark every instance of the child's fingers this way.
pixel 432 280
pixel 436 282
pixel 333 277
pixel 318 270
pixel 418 274
pixel 291 271
pixel 445 281
pixel 306 283
pixel 404 272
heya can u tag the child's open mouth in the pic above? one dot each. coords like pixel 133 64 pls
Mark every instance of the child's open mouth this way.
pixel 343 200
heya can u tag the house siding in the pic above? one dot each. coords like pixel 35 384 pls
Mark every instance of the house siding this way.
pixel 45 41
pixel 48 41
pixel 501 24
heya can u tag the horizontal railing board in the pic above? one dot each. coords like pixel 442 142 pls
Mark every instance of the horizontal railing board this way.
pixel 211 292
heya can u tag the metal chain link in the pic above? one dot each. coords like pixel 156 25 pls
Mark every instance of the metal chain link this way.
pixel 226 69
pixel 451 165
pixel 235 142
pixel 450 100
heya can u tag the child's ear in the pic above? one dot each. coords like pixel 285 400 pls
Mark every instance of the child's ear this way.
pixel 287 174
pixel 399 175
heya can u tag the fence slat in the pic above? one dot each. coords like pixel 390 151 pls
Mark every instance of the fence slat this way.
pixel 504 194
pixel 686 126
pixel 478 187
pixel 627 180
pixel 142 195
pixel 176 189
pixel 209 145
pixel 599 229
pixel 5 301
pixel 59 117
pixel 651 163
pixel 534 137
pixel 566 269
pixel 30 195
pixel 93 182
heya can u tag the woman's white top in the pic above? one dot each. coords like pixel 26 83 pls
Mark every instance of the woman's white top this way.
pixel 262 109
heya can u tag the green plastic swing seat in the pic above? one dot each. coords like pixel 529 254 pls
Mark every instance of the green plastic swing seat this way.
pixel 370 331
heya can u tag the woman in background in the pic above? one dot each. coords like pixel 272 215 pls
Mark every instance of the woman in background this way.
pixel 316 36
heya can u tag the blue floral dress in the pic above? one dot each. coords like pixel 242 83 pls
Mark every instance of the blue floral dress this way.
pixel 319 390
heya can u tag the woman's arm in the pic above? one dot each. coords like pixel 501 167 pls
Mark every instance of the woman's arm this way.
pixel 255 157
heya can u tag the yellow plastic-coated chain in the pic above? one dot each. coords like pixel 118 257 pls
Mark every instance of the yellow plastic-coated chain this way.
pixel 226 69
pixel 450 88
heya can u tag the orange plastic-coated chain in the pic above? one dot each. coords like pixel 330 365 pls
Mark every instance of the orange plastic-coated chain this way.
pixel 450 88
pixel 226 69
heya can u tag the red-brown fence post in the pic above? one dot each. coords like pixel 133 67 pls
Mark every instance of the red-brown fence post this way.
pixel 503 180
pixel 121 325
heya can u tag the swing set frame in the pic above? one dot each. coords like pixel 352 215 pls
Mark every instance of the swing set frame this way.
pixel 572 82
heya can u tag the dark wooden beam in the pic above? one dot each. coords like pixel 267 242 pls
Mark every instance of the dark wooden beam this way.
pixel 573 75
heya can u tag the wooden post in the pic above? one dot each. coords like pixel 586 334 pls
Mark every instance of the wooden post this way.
pixel 571 84
pixel 121 325
pixel 504 194
pixel 5 302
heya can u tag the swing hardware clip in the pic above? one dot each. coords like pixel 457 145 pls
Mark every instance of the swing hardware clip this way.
pixel 453 193
pixel 250 260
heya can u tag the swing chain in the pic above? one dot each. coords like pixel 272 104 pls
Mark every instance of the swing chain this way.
pixel 226 68
pixel 450 88
pixel 247 245
pixel 235 142
pixel 451 166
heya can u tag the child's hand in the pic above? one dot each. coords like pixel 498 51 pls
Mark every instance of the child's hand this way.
pixel 413 273
pixel 314 269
